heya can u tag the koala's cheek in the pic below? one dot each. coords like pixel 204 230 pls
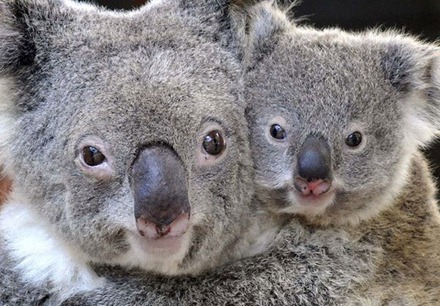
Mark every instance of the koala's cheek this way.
pixel 274 170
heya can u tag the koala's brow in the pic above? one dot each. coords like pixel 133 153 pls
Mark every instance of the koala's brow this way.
pixel 208 119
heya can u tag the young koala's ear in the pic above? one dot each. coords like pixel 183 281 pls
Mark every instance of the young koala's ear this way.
pixel 257 24
pixel 413 68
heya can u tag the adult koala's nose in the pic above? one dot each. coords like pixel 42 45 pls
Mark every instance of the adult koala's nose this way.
pixel 314 174
pixel 159 187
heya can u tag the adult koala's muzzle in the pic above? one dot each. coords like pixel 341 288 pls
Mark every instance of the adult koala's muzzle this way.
pixel 158 182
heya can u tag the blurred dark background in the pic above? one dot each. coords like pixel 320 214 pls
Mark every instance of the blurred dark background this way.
pixel 418 17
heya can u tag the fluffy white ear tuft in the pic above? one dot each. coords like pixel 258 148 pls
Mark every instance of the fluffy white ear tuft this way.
pixel 257 25
pixel 424 106
pixel 413 68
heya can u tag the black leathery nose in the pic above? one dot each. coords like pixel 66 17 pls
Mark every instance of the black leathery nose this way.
pixel 159 187
pixel 314 159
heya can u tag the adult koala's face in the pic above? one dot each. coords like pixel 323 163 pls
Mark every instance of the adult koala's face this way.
pixel 335 119
pixel 128 136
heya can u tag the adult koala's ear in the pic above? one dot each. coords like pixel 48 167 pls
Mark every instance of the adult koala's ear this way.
pixel 413 68
pixel 17 33
pixel 24 27
pixel 258 25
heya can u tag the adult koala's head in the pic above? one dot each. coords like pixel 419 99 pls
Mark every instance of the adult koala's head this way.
pixel 335 117
pixel 124 133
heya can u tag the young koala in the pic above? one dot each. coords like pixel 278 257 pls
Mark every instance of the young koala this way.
pixel 337 121
pixel 124 135
pixel 338 117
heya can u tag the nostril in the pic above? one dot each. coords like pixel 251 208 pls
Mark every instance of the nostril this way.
pixel 320 187
pixel 301 186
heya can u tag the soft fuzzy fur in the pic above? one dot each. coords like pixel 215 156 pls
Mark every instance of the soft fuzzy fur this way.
pixel 387 254
pixel 389 260
pixel 72 75
pixel 328 84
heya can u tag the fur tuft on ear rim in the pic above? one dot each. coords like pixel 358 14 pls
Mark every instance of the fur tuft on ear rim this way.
pixel 432 92
pixel 18 19
pixel 257 24
pixel 415 71
pixel 16 47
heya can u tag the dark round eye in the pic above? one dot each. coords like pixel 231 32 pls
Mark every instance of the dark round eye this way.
pixel 277 132
pixel 354 139
pixel 92 156
pixel 213 143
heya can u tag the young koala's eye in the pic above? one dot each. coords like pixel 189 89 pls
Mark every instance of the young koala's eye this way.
pixel 277 132
pixel 92 156
pixel 354 139
pixel 214 143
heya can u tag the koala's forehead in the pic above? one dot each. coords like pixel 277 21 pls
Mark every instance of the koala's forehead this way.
pixel 131 90
pixel 335 81
pixel 131 76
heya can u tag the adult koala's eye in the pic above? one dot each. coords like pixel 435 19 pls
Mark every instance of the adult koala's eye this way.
pixel 92 156
pixel 277 132
pixel 214 143
pixel 354 139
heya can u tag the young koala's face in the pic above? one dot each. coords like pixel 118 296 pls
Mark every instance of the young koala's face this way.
pixel 335 118
pixel 129 138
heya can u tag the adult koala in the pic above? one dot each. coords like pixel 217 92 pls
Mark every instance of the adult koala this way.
pixel 125 138
pixel 336 122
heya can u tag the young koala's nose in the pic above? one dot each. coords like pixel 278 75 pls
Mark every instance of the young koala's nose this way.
pixel 314 173
pixel 161 204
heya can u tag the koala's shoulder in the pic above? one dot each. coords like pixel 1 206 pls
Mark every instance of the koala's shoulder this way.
pixel 13 291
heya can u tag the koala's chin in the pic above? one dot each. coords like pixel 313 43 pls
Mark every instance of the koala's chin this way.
pixel 163 255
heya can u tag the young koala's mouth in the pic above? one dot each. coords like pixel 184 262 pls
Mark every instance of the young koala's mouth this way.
pixel 314 200
pixel 314 188
pixel 310 200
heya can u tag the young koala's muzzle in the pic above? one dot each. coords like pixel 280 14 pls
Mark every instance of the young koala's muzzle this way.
pixel 160 193
pixel 314 174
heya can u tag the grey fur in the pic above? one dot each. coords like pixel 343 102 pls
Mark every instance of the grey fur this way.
pixel 329 84
pixel 120 81
pixel 390 260
pixel 305 267
pixel 385 77
pixel 377 259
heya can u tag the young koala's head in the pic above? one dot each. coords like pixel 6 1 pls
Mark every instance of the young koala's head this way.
pixel 125 133
pixel 335 117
